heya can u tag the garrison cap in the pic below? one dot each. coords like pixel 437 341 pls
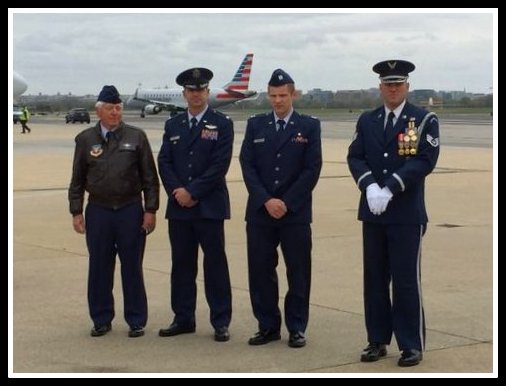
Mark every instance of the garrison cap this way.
pixel 109 94
pixel 195 78
pixel 393 71
pixel 280 78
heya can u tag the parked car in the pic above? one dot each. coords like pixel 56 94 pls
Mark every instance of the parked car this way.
pixel 77 115
pixel 16 112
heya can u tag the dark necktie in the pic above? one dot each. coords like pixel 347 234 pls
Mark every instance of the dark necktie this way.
pixel 390 122
pixel 108 136
pixel 281 125
pixel 194 124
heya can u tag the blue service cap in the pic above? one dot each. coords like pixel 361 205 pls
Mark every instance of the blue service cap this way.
pixel 195 78
pixel 280 78
pixel 393 71
pixel 109 94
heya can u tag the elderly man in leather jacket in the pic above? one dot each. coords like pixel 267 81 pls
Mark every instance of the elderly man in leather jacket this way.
pixel 113 162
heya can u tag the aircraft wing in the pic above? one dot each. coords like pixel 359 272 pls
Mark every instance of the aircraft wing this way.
pixel 154 106
pixel 168 105
pixel 165 105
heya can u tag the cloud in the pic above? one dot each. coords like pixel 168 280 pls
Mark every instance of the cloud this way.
pixel 80 52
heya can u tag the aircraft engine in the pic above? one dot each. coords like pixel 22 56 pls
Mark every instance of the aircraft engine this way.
pixel 152 109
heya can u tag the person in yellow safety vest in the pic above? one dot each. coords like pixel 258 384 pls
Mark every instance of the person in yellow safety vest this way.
pixel 25 116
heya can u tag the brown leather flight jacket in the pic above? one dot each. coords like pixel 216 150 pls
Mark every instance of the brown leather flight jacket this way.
pixel 115 172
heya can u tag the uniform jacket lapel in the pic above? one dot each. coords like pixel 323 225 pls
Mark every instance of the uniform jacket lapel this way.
pixel 271 134
pixel 378 126
pixel 184 129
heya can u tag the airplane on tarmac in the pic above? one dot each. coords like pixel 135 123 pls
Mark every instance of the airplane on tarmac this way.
pixel 19 85
pixel 155 100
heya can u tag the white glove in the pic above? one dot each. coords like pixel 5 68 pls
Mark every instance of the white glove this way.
pixel 385 197
pixel 374 194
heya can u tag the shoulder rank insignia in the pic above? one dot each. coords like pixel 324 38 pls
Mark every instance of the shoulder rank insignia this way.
pixel 433 141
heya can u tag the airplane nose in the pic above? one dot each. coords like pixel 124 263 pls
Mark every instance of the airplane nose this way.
pixel 19 84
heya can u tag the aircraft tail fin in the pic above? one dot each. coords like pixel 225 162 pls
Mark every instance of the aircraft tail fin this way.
pixel 240 81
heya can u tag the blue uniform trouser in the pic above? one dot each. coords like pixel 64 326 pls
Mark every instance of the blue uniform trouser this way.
pixel 185 237
pixel 392 254
pixel 295 240
pixel 110 232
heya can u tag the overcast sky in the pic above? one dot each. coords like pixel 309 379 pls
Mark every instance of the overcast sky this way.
pixel 80 52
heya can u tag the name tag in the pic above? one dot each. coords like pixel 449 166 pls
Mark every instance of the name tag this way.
pixel 174 138
pixel 259 140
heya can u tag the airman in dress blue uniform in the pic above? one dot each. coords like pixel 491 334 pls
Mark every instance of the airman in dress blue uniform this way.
pixel 394 148
pixel 281 159
pixel 193 161
pixel 113 162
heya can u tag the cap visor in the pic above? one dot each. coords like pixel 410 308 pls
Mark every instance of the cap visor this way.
pixel 394 79
pixel 196 86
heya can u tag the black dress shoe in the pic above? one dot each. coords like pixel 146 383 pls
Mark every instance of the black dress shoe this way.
pixel 297 339
pixel 221 334
pixel 136 332
pixel 263 337
pixel 176 329
pixel 410 357
pixel 373 352
pixel 100 330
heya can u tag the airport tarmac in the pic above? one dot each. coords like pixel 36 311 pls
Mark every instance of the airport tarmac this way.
pixel 51 325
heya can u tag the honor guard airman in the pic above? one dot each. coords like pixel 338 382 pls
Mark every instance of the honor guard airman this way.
pixel 393 149
pixel 113 162
pixel 281 159
pixel 193 161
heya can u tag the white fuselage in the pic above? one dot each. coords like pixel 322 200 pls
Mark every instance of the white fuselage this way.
pixel 217 97
pixel 19 85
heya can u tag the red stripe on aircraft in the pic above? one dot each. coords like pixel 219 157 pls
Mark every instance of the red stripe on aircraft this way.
pixel 226 96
